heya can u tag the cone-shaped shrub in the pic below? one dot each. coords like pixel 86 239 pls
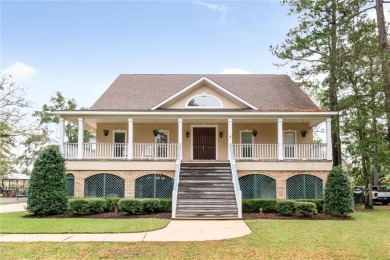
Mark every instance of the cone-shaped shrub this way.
pixel 47 193
pixel 338 193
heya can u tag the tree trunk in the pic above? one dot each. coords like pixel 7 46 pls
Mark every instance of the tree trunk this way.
pixel 384 46
pixel 333 100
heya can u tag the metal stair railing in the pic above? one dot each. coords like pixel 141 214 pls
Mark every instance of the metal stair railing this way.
pixel 236 184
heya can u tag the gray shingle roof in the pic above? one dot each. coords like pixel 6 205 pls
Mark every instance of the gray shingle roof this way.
pixel 268 92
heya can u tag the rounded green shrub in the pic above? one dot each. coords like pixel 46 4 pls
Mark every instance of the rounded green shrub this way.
pixel 166 205
pixel 47 194
pixel 319 203
pixel 338 199
pixel 131 206
pixel 112 204
pixel 285 207
pixel 78 206
pixel 306 208
pixel 151 206
pixel 254 205
pixel 96 205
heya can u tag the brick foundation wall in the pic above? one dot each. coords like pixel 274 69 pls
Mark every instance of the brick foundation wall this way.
pixel 282 176
pixel 128 176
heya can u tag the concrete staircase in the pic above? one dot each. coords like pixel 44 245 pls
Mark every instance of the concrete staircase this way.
pixel 206 191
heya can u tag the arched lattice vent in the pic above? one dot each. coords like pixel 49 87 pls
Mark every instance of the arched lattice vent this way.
pixel 258 186
pixel 304 186
pixel 153 186
pixel 70 184
pixel 104 185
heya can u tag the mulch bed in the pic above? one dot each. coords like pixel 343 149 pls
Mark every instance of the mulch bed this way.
pixel 320 216
pixel 123 215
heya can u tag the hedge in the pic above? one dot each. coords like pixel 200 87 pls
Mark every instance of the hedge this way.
pixel 319 203
pixel 306 208
pixel 84 206
pixel 140 206
pixel 285 207
pixel 254 205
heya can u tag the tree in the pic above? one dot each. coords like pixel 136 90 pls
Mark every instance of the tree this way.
pixel 312 48
pixel 47 194
pixel 385 62
pixel 59 102
pixel 12 114
pixel 338 193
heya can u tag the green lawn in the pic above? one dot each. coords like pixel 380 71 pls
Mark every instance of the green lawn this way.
pixel 16 224
pixel 366 237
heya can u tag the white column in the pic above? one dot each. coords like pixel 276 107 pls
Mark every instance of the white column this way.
pixel 328 139
pixel 180 136
pixel 130 139
pixel 230 130
pixel 280 139
pixel 61 133
pixel 80 139
pixel 230 134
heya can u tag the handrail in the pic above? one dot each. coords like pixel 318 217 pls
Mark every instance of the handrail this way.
pixel 176 181
pixel 236 184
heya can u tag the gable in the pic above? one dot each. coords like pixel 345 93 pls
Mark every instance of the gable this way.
pixel 208 85
pixel 203 90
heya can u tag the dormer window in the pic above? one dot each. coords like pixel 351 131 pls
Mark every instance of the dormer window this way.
pixel 204 101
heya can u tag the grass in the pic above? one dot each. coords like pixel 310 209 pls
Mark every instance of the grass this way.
pixel 366 237
pixel 15 223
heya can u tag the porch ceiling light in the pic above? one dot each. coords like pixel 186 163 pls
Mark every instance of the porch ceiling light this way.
pixel 187 134
pixel 106 132
pixel 303 132
pixel 221 134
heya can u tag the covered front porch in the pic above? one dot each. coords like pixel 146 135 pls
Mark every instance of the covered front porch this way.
pixel 194 137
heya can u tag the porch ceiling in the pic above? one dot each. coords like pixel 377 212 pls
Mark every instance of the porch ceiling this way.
pixel 91 123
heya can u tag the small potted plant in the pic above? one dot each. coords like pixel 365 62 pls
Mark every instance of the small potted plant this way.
pixel 155 132
pixel 254 132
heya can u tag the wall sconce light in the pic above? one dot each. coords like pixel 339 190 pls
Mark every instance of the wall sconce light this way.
pixel 254 132
pixel 221 134
pixel 155 132
pixel 187 134
pixel 106 132
pixel 303 132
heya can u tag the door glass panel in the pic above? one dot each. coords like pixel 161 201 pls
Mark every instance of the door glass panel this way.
pixel 246 140
pixel 161 144
pixel 119 144
pixel 289 144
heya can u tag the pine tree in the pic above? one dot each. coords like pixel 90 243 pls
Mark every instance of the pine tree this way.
pixel 338 193
pixel 47 193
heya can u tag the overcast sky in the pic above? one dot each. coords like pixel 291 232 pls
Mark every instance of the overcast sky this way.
pixel 80 47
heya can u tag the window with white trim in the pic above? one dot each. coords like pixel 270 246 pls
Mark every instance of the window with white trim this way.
pixel 204 101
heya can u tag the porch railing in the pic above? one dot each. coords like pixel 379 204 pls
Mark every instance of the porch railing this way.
pixel 255 151
pixel 305 151
pixel 270 151
pixel 119 150
pixel 154 151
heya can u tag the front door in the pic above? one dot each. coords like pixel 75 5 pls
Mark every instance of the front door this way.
pixel 204 143
pixel 119 144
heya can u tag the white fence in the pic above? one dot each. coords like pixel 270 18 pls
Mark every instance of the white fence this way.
pixel 270 151
pixel 255 151
pixel 120 150
pixel 154 151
